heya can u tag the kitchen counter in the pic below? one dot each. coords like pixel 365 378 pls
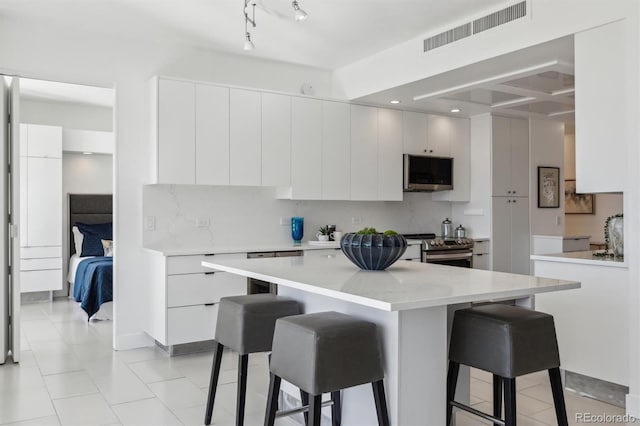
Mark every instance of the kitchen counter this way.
pixel 244 248
pixel 403 286
pixel 581 257
pixel 411 303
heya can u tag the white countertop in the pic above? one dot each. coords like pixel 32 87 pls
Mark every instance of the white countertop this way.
pixel 564 237
pixel 403 286
pixel 581 257
pixel 245 248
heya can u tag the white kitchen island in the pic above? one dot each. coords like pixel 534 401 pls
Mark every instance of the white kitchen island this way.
pixel 410 302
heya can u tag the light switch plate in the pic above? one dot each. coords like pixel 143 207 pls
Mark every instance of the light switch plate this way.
pixel 285 221
pixel 150 223
pixel 356 220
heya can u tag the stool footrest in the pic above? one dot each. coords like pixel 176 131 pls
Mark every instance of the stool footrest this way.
pixel 303 409
pixel 477 413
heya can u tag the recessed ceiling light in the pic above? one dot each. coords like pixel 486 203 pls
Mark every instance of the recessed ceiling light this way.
pixel 394 102
pixel 455 109
pixel 87 153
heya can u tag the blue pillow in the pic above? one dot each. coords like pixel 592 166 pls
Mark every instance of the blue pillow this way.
pixel 93 234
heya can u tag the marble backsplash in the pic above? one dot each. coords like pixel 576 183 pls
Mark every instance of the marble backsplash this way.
pixel 190 216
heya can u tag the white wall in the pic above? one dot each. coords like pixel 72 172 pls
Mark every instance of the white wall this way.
pixel 605 204
pixel 66 114
pixel 546 148
pixel 41 49
pixel 251 215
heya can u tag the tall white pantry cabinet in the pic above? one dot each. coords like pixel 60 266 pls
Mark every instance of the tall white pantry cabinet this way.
pixel 40 208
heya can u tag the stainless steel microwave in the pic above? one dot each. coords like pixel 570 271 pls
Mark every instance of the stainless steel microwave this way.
pixel 427 174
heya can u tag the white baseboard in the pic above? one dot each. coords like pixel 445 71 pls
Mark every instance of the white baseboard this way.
pixel 633 405
pixel 133 341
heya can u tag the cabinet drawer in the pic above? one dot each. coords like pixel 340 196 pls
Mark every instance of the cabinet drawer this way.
pixel 413 252
pixel 575 244
pixel 37 264
pixel 481 261
pixel 191 324
pixel 323 252
pixel 193 264
pixel 481 247
pixel 198 289
pixel 40 252
pixel 41 280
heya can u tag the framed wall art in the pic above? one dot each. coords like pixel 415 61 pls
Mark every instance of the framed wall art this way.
pixel 548 187
pixel 575 203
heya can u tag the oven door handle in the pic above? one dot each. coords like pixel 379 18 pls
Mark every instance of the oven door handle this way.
pixel 460 256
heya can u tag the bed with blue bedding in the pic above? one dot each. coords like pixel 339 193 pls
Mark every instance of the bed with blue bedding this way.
pixel 93 284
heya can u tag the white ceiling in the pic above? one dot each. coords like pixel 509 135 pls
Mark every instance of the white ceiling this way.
pixel 42 90
pixel 336 33
pixel 537 81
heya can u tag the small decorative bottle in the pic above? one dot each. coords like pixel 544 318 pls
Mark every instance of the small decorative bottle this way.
pixel 297 229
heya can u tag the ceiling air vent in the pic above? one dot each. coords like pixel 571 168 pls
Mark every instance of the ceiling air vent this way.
pixel 447 37
pixel 500 17
pixel 479 25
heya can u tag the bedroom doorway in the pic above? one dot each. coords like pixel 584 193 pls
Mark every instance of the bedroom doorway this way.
pixel 66 182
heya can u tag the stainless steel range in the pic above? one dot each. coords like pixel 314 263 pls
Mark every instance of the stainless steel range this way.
pixel 445 251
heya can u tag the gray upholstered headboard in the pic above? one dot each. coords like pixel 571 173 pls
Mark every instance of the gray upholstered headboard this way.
pixel 90 209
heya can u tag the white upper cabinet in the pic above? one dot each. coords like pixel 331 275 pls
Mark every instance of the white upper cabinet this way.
pixel 389 155
pixel 364 153
pixel 414 133
pixel 438 134
pixel 212 135
pixel 43 141
pixel 336 150
pixel 425 134
pixel 306 149
pixel 510 157
pixel 245 137
pixel 460 145
pixel 276 140
pixel 176 132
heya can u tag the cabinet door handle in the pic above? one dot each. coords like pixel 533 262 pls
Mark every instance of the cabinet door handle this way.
pixel 209 254
pixel 209 304
pixel 508 201
pixel 514 201
pixel 210 273
pixel 479 254
pixel 514 192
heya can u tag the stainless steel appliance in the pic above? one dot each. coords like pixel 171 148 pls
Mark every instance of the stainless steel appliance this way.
pixel 427 174
pixel 445 251
pixel 255 286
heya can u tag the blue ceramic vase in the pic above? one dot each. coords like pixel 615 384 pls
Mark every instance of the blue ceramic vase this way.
pixel 297 229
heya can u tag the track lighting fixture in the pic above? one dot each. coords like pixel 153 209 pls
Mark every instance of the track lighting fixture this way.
pixel 298 14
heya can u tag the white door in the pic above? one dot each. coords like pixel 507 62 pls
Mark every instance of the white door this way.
pixel 14 210
pixel 519 157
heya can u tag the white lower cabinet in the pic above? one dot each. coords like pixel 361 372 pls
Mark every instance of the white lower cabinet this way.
pixel 510 236
pixel 481 255
pixel 185 296
pixel 41 280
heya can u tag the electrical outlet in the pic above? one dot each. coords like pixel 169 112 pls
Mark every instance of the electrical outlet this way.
pixel 285 221
pixel 203 222
pixel 558 220
pixel 356 220
pixel 150 223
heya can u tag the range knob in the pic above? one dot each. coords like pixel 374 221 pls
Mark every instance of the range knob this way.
pixel 432 242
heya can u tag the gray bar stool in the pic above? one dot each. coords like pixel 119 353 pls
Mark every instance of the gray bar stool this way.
pixel 507 341
pixel 324 353
pixel 245 325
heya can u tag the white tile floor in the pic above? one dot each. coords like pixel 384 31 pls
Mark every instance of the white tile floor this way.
pixel 69 375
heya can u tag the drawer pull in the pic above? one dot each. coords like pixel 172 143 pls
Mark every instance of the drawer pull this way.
pixel 209 254
pixel 210 273
pixel 209 304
